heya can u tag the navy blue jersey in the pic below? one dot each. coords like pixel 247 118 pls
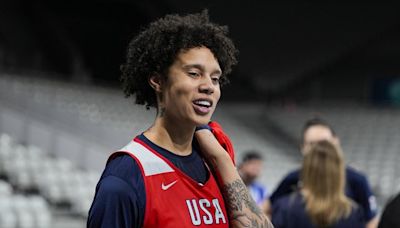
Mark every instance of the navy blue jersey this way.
pixel 120 197
pixel 289 212
pixel 357 188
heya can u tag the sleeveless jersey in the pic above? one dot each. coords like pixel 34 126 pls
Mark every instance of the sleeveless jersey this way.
pixel 173 199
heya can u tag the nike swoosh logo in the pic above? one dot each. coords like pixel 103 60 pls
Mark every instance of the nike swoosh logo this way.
pixel 166 187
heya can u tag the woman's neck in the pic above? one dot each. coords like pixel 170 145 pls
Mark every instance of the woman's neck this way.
pixel 171 135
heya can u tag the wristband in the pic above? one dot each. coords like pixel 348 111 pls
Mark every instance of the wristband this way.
pixel 204 126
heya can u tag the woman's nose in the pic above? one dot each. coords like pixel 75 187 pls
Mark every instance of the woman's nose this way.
pixel 207 86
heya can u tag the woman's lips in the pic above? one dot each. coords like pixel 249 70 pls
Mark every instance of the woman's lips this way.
pixel 201 110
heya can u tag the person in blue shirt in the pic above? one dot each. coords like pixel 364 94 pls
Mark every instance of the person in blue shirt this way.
pixel 249 170
pixel 321 201
pixel 356 187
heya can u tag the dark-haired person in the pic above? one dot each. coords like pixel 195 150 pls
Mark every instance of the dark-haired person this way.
pixel 357 186
pixel 160 179
pixel 249 170
pixel 321 201
pixel 390 216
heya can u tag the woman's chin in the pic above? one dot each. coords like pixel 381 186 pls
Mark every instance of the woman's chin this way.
pixel 202 121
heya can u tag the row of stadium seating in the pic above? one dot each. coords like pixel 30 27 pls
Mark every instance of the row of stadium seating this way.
pixel 17 210
pixel 37 183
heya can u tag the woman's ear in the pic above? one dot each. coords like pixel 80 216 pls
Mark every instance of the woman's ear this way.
pixel 155 82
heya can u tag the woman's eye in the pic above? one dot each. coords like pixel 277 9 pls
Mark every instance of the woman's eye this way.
pixel 215 80
pixel 194 74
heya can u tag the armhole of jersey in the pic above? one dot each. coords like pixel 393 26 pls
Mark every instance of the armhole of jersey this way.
pixel 148 199
pixel 149 164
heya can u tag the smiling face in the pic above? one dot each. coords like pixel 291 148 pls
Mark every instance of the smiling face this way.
pixel 191 91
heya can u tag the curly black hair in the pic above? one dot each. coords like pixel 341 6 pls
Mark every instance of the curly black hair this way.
pixel 154 50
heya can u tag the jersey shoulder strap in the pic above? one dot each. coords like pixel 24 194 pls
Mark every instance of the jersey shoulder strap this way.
pixel 152 164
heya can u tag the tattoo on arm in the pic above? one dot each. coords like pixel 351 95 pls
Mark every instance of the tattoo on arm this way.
pixel 243 211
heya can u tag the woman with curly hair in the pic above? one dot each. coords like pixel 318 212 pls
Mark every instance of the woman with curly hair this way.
pixel 176 173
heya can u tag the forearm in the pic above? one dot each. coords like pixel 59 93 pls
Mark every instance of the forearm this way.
pixel 242 209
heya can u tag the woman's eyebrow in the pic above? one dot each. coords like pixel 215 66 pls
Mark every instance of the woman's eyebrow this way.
pixel 198 66
pixel 201 67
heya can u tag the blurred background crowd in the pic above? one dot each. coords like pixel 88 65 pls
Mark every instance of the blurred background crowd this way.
pixel 62 111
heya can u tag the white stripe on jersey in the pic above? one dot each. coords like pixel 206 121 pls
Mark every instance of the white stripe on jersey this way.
pixel 151 163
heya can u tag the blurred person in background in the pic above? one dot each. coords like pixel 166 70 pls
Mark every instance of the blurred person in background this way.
pixel 391 214
pixel 160 179
pixel 356 186
pixel 250 169
pixel 321 201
